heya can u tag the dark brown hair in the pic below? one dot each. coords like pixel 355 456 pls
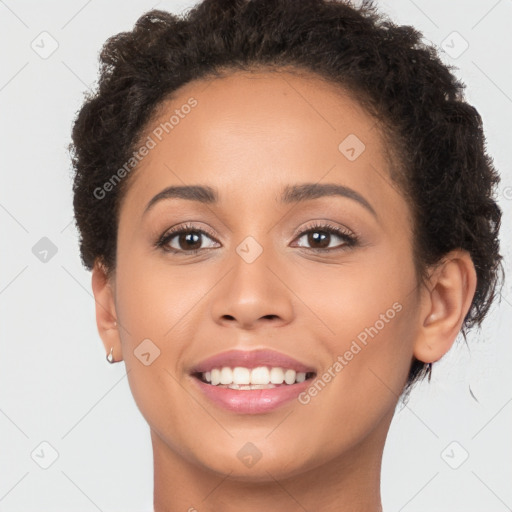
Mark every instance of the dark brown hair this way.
pixel 441 163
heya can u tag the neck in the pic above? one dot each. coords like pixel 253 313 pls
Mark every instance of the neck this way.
pixel 349 482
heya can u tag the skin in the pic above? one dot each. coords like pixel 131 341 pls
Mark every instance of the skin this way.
pixel 249 136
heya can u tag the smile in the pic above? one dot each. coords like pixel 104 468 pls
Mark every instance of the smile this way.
pixel 261 377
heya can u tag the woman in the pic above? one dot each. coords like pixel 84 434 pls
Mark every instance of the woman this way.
pixel 288 212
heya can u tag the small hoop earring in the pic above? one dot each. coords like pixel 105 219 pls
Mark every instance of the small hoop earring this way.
pixel 110 357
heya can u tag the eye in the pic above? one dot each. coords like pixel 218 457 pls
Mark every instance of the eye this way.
pixel 184 239
pixel 187 239
pixel 319 236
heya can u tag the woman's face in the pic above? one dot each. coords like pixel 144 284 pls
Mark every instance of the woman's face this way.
pixel 266 276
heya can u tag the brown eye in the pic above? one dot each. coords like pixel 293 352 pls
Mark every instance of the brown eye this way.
pixel 190 240
pixel 320 237
pixel 185 239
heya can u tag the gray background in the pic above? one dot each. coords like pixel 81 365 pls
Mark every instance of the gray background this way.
pixel 55 385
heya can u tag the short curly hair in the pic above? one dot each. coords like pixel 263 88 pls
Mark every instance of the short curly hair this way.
pixel 441 165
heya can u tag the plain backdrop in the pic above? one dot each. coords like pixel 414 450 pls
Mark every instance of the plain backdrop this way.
pixel 72 438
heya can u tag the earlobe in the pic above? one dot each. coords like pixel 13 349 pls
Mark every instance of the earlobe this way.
pixel 445 303
pixel 106 315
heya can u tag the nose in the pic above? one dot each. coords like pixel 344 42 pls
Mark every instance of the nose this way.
pixel 253 294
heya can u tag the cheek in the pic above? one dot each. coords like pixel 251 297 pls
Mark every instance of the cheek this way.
pixel 369 327
pixel 154 298
pixel 346 299
pixel 360 385
pixel 366 313
pixel 153 308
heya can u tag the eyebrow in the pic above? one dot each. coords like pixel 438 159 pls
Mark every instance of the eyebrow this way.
pixel 291 194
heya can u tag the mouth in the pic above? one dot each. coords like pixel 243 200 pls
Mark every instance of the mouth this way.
pixel 251 382
pixel 247 379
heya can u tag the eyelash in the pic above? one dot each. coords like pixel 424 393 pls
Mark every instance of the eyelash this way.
pixel 349 239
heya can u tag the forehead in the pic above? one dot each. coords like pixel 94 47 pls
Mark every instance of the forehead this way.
pixel 267 103
pixel 259 131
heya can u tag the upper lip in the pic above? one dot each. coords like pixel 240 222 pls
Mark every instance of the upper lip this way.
pixel 251 359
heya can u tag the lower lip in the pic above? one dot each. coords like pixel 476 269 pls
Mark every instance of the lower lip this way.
pixel 252 401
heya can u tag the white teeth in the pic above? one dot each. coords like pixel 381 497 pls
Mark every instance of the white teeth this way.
pixel 276 375
pixel 226 375
pixel 289 376
pixel 260 377
pixel 248 386
pixel 242 376
pixel 301 377
pixel 215 373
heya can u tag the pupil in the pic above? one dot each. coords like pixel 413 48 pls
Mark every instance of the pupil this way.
pixel 319 236
pixel 192 240
pixel 196 237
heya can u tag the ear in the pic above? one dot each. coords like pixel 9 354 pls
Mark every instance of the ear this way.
pixel 106 317
pixel 445 302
